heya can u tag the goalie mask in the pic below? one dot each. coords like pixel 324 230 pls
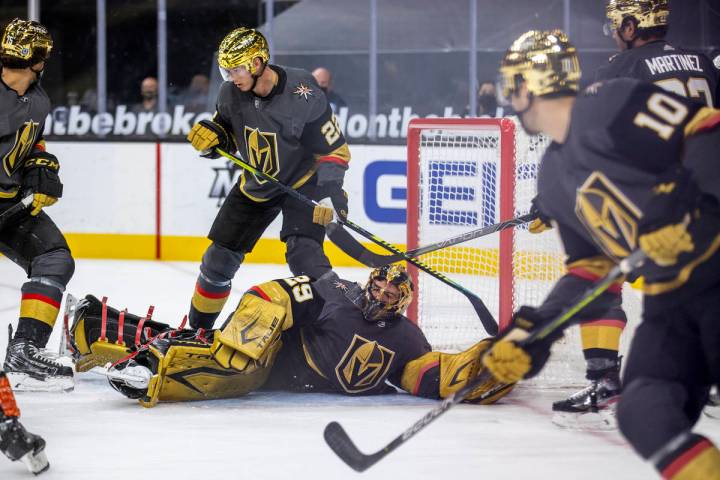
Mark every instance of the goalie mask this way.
pixel 544 60
pixel 381 300
pixel 238 50
pixel 24 43
pixel 647 14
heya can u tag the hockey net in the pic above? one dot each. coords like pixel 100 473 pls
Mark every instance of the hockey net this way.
pixel 464 174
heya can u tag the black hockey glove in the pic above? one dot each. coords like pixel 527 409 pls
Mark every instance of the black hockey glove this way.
pixel 541 223
pixel 40 176
pixel 663 229
pixel 330 181
pixel 510 362
pixel 206 135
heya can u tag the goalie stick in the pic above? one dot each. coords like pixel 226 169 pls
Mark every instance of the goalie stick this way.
pixel 486 318
pixel 10 213
pixel 356 250
pixel 340 442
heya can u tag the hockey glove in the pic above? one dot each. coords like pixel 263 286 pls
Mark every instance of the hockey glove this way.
pixel 40 176
pixel 330 181
pixel 663 229
pixel 206 135
pixel 510 362
pixel 541 223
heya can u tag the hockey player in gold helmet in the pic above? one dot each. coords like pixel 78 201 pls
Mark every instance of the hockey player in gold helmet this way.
pixel 630 171
pixel 279 120
pixel 629 20
pixel 33 242
pixel 639 28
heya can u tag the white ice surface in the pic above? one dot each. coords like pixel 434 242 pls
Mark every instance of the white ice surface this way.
pixel 95 433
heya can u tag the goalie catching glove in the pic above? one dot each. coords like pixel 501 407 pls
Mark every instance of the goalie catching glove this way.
pixel 663 229
pixel 206 135
pixel 439 375
pixel 510 362
pixel 40 176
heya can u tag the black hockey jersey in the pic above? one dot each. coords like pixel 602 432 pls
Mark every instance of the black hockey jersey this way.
pixel 623 135
pixel 22 119
pixel 284 134
pixel 331 347
pixel 684 72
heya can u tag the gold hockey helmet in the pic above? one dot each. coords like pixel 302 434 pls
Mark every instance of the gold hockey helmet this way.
pixel 545 60
pixel 648 13
pixel 24 43
pixel 396 275
pixel 240 47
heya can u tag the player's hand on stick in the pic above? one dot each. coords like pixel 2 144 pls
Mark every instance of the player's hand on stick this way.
pixel 663 229
pixel 509 360
pixel 334 202
pixel 540 223
pixel 205 135
pixel 40 176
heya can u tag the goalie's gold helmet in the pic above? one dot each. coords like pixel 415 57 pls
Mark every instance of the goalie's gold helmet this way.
pixel 24 43
pixel 647 13
pixel 396 275
pixel 240 47
pixel 545 60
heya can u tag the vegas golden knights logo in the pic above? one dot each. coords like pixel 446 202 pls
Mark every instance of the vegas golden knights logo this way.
pixel 364 365
pixel 24 141
pixel 609 215
pixel 262 152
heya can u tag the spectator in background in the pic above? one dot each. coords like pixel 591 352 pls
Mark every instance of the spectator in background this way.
pixel 323 77
pixel 487 105
pixel 149 93
pixel 195 98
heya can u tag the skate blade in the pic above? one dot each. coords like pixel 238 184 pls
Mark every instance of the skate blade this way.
pixel 22 382
pixel 603 420
pixel 37 463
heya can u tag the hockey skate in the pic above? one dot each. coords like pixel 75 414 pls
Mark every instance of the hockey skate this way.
pixel 593 407
pixel 19 444
pixel 30 369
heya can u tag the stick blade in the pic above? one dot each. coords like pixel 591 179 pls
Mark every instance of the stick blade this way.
pixel 353 248
pixel 338 440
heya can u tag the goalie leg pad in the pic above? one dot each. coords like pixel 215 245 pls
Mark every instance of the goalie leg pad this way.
pixel 252 329
pixel 188 371
pixel 96 338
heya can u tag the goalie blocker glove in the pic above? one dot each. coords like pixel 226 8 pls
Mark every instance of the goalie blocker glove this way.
pixel 508 360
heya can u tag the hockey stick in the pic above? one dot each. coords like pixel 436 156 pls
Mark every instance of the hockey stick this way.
pixel 339 441
pixel 10 213
pixel 480 309
pixel 355 249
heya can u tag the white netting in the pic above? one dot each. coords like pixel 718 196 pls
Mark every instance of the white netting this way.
pixel 458 180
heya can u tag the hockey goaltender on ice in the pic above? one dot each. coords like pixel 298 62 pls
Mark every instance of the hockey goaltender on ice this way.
pixel 293 334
